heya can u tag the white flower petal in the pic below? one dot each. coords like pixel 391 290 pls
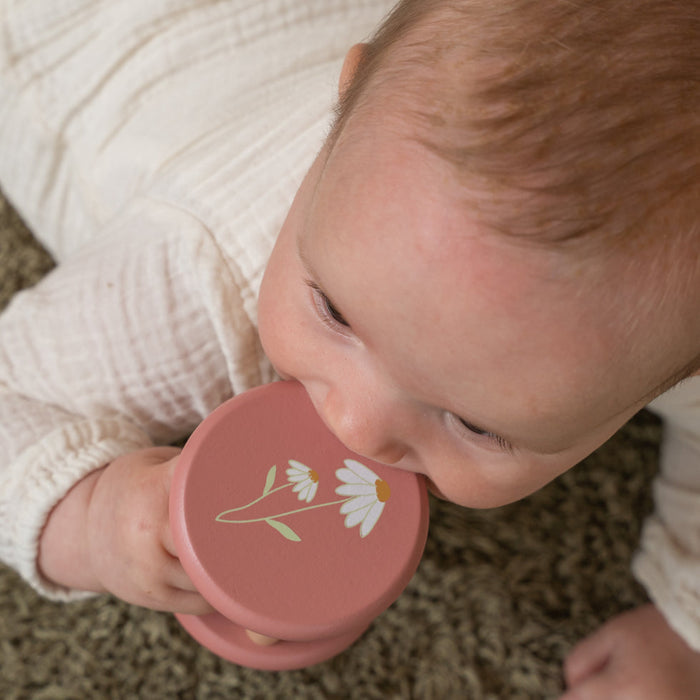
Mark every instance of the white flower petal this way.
pixel 356 490
pixel 313 486
pixel 306 490
pixel 349 477
pixel 355 503
pixel 361 470
pixel 298 465
pixel 357 516
pixel 297 477
pixel 370 520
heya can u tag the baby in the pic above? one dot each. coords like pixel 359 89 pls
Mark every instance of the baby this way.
pixel 492 263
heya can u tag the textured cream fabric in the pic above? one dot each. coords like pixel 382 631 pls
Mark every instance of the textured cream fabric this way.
pixel 668 562
pixel 154 147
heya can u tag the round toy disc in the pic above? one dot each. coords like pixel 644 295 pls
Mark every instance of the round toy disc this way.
pixel 231 642
pixel 284 530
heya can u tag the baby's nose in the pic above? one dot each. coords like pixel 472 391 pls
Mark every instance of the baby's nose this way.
pixel 365 424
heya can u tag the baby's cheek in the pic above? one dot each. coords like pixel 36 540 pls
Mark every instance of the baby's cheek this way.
pixel 476 486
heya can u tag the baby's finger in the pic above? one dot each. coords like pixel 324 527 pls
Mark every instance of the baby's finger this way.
pixel 261 639
pixel 175 576
pixel 588 657
pixel 594 688
pixel 168 542
pixel 188 603
pixel 167 538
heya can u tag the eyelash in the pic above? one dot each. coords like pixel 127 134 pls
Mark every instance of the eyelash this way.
pixel 501 443
pixel 328 313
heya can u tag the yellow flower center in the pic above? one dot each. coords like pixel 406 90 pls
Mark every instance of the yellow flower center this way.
pixel 313 476
pixel 383 490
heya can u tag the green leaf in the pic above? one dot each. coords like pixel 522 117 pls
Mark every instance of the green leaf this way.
pixel 284 530
pixel 270 479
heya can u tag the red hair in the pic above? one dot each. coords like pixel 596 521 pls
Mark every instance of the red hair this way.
pixel 564 120
pixel 573 125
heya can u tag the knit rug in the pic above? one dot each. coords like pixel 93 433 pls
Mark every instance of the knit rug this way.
pixel 499 599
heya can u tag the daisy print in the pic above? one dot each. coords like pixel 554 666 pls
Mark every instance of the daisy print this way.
pixel 364 497
pixel 368 492
pixel 305 480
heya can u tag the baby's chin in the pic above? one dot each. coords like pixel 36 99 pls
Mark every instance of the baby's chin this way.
pixel 436 491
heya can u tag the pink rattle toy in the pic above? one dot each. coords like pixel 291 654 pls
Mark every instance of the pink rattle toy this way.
pixel 286 532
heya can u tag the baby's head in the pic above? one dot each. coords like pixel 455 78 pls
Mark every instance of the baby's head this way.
pixel 494 262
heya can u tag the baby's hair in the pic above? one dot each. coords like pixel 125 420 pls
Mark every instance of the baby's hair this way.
pixel 566 120
pixel 570 124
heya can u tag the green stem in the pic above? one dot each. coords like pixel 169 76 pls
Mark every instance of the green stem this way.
pixel 280 515
pixel 219 517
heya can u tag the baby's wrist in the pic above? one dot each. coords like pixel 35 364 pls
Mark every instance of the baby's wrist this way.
pixel 64 557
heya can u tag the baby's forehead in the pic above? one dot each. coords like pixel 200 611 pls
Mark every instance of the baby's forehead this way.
pixel 447 304
pixel 391 156
pixel 630 262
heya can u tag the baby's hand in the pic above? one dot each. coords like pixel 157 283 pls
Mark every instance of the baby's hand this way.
pixel 111 533
pixel 130 544
pixel 635 656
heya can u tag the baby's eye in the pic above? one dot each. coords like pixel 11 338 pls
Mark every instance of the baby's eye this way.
pixel 502 443
pixel 473 428
pixel 332 311
pixel 328 312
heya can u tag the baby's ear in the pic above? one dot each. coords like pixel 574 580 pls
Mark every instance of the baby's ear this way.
pixel 353 59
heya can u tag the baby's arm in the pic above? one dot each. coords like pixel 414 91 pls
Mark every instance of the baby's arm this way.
pixel 111 353
pixel 654 651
